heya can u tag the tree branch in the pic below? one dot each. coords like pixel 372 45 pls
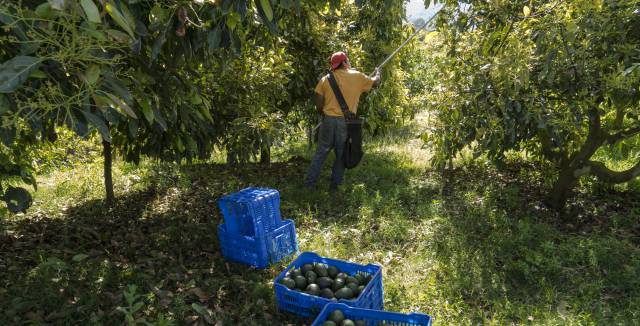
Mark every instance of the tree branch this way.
pixel 594 138
pixel 547 147
pixel 619 120
pixel 615 138
pixel 605 174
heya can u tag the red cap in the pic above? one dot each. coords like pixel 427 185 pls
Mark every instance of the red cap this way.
pixel 338 58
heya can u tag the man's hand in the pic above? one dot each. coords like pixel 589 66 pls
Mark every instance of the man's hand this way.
pixel 376 78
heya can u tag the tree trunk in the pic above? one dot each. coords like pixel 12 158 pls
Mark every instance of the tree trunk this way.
pixel 265 155
pixel 108 178
pixel 562 189
pixel 231 158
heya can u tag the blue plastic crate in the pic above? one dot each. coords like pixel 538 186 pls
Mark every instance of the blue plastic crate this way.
pixel 259 251
pixel 306 305
pixel 251 211
pixel 374 317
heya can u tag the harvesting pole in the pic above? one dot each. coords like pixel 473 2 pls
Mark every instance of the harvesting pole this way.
pixel 405 43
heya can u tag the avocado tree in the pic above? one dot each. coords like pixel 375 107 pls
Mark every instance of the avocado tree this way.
pixel 557 79
pixel 129 70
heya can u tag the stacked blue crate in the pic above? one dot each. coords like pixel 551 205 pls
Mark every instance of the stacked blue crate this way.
pixel 253 232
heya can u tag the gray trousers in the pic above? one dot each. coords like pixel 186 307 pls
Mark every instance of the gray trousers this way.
pixel 332 135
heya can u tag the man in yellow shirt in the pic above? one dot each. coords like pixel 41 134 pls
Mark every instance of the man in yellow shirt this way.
pixel 333 129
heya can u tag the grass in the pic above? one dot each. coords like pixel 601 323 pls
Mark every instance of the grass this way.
pixel 473 246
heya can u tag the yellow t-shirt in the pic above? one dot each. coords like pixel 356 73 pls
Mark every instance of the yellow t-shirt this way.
pixel 352 83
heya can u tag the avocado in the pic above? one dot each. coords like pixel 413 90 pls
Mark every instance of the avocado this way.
pixel 327 293
pixel 347 322
pixel 301 282
pixel 338 284
pixel 288 282
pixel 333 271
pixel 352 279
pixel 336 316
pixel 342 275
pixel 324 282
pixel 294 273
pixel 353 287
pixel 360 279
pixel 311 276
pixel 344 293
pixel 329 323
pixel 313 289
pixel 321 270
pixel 306 267
pixel 359 290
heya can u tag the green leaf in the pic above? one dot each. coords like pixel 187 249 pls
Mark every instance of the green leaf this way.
pixel 195 99
pixel 232 20
pixel 526 11
pixel 157 44
pixel 207 114
pixel 7 135
pixel 57 4
pixel 180 145
pixel 78 123
pixel 91 10
pixel 266 7
pixel 119 88
pixel 119 18
pixel 4 104
pixel 160 120
pixel 119 36
pixel 102 102
pixel 99 124
pixel 133 128
pixel 146 109
pixel 92 74
pixel 629 70
pixel 15 72
pixel 136 306
pixel 38 74
pixel 79 257
pixel 17 199
pixel 192 146
pixel 121 106
pixel 201 310
pixel 286 4
pixel 214 38
pixel 98 35
pixel 44 10
pixel 131 20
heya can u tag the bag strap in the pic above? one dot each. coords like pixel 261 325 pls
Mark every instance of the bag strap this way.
pixel 336 90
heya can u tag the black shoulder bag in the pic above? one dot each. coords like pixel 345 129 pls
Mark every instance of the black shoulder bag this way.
pixel 353 148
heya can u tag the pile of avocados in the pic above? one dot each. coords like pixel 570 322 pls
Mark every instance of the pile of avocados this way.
pixel 325 281
pixel 336 318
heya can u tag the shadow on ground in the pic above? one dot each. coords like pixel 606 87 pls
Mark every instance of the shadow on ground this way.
pixel 505 255
pixel 498 249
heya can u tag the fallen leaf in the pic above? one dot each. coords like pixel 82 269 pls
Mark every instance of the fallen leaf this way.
pixel 79 257
pixel 203 296
pixel 35 316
